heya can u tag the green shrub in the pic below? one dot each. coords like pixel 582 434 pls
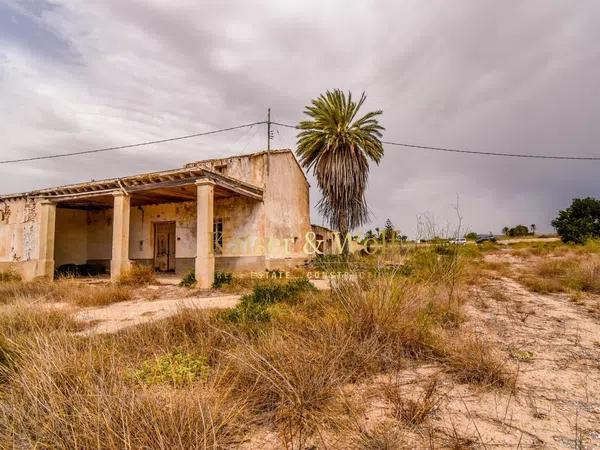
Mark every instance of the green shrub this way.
pixel 222 278
pixel 176 368
pixel 189 279
pixel 255 307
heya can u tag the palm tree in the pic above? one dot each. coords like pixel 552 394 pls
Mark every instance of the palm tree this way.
pixel 337 147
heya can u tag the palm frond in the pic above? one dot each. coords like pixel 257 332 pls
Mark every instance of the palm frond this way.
pixel 337 146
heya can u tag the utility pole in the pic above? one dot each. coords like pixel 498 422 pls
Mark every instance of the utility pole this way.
pixel 268 140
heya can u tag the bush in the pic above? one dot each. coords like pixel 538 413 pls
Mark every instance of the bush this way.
pixel 176 368
pixel 9 275
pixel 580 221
pixel 137 275
pixel 222 278
pixel 189 279
pixel 254 307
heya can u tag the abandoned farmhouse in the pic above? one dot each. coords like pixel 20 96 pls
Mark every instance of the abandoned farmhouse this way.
pixel 242 213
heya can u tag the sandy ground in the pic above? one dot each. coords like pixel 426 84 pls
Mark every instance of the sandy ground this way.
pixel 555 346
pixel 166 301
pixel 527 239
pixel 114 317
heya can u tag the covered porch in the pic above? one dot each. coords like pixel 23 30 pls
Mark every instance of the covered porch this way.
pixel 93 222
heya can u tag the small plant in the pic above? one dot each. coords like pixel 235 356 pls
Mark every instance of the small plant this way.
pixel 410 411
pixel 222 278
pixel 522 355
pixel 9 275
pixel 189 279
pixel 176 368
pixel 254 307
pixel 137 275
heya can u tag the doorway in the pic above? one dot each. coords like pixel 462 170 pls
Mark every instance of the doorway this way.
pixel 164 246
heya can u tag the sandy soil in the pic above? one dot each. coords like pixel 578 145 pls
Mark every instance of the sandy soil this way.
pixel 114 317
pixel 555 346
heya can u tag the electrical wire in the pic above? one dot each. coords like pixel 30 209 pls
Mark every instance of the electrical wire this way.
pixel 474 152
pixel 121 147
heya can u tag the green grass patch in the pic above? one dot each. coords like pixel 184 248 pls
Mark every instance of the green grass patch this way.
pixel 176 368
pixel 256 307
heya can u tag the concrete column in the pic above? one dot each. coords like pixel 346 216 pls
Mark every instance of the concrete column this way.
pixel 45 264
pixel 120 243
pixel 205 257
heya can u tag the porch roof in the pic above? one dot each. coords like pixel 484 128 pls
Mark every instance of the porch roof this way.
pixel 145 189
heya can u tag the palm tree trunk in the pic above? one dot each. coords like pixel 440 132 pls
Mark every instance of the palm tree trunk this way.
pixel 344 232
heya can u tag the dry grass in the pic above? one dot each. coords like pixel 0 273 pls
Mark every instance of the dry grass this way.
pixel 570 274
pixel 64 290
pixel 285 372
pixel 474 360
pixel 137 275
pixel 413 411
pixel 83 401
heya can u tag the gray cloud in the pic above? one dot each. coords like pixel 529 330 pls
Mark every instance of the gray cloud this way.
pixel 515 77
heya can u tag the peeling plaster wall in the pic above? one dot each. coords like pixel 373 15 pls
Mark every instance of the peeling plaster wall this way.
pixel 18 230
pixel 19 236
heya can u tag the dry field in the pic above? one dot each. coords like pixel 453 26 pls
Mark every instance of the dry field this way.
pixel 496 346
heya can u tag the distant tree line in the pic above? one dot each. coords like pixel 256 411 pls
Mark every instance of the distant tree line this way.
pixel 518 230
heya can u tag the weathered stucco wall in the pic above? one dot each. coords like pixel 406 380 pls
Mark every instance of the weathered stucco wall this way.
pixel 99 235
pixel 70 243
pixel 19 236
pixel 286 202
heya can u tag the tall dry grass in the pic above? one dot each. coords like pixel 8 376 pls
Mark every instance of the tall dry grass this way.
pixel 65 290
pixel 569 274
pixel 287 372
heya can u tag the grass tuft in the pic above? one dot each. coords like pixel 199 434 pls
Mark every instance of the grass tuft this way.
pixel 137 275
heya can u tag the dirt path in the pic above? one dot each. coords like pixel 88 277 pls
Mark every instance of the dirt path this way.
pixel 114 317
pixel 555 347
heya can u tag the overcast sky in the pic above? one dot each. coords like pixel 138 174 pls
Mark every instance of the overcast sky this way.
pixel 509 76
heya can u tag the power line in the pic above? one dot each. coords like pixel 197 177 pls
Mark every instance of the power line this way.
pixel 139 144
pixel 511 155
pixel 473 152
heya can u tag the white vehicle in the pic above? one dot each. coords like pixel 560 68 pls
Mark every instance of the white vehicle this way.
pixel 458 241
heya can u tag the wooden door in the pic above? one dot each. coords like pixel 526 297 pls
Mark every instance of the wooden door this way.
pixel 164 246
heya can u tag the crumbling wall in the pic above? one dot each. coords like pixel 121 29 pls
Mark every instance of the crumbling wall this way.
pixel 19 236
pixel 18 230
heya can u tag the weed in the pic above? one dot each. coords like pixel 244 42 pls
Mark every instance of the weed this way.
pixel 411 411
pixel 473 360
pixel 137 275
pixel 221 279
pixel 176 368
pixel 522 355
pixel 9 275
pixel 189 279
